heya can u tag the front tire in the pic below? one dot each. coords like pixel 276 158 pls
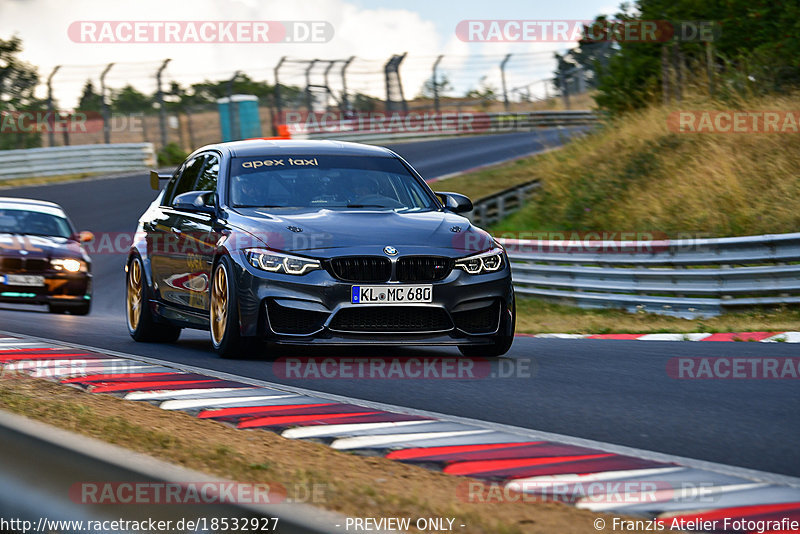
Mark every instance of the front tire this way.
pixel 226 336
pixel 501 342
pixel 139 317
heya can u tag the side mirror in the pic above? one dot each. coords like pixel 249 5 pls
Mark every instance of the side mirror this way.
pixel 195 201
pixel 155 178
pixel 455 202
pixel 85 237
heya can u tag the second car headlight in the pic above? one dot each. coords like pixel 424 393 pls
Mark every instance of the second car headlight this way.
pixel 277 262
pixel 68 264
pixel 485 262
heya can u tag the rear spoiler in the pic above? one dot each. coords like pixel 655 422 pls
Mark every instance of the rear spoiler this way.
pixel 155 178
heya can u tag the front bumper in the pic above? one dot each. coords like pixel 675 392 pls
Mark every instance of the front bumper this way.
pixel 315 309
pixel 59 288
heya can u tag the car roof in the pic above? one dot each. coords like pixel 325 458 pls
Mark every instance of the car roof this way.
pixel 277 147
pixel 30 204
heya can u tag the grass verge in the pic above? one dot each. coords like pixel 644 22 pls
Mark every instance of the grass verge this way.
pixel 635 174
pixel 353 485
pixel 536 316
pixel 43 180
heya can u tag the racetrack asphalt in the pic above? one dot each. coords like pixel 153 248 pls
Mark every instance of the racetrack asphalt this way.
pixel 613 391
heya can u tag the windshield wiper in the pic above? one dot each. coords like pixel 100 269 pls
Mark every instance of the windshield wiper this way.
pixel 259 206
pixel 366 206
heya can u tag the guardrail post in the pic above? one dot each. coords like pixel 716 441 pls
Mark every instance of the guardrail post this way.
pixel 501 207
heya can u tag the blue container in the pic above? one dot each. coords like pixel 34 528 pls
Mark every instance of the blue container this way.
pixel 246 122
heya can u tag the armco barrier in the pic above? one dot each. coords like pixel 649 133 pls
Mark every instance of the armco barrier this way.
pixel 77 159
pixel 497 206
pixel 686 278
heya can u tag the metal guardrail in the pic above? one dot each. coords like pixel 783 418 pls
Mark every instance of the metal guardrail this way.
pixel 76 159
pixel 687 278
pixel 42 467
pixel 405 126
pixel 495 207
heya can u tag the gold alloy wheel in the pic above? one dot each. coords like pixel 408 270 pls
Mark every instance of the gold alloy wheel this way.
pixel 219 305
pixel 134 295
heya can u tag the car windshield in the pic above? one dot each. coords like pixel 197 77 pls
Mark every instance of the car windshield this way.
pixel 17 221
pixel 331 182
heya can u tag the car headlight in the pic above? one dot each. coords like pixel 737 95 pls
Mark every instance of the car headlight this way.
pixel 485 262
pixel 277 262
pixel 68 264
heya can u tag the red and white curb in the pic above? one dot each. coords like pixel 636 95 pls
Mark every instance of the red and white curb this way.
pixel 589 475
pixel 762 337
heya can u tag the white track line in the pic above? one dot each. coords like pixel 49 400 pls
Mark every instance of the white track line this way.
pixel 306 432
pixel 186 404
pixel 631 499
pixel 536 484
pixel 160 394
pixel 363 442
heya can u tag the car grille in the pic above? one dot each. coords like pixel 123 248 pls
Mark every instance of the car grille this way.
pixel 361 268
pixel 390 319
pixel 24 264
pixel 478 321
pixel 286 320
pixel 423 268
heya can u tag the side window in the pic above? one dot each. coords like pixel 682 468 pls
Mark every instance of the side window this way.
pixel 207 180
pixel 186 179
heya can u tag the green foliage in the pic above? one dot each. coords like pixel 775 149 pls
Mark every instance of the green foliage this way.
pixel 171 154
pixel 129 100
pixel 18 81
pixel 754 53
pixel 90 100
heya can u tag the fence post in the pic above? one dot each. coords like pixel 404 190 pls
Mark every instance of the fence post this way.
pixel 345 103
pixel 436 84
pixel 162 112
pixel 309 99
pixel 51 135
pixel 277 93
pixel 393 82
pixel 503 80
pixel 106 118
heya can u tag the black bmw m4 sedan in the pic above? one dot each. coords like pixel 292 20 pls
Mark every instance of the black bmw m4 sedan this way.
pixel 268 242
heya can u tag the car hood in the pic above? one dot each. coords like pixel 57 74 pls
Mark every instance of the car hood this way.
pixel 327 232
pixel 36 246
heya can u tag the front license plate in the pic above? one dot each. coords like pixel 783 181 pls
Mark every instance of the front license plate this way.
pixel 391 294
pixel 27 280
